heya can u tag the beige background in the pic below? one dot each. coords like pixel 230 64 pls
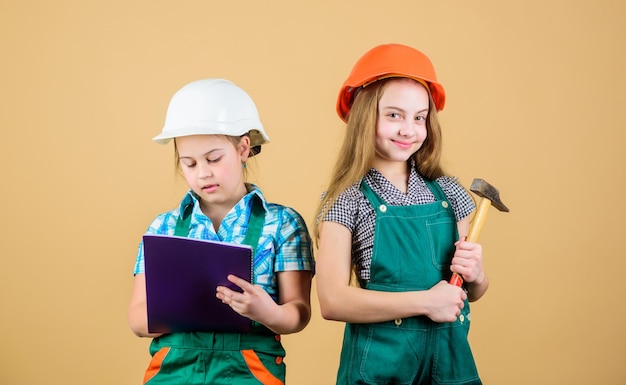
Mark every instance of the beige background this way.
pixel 535 106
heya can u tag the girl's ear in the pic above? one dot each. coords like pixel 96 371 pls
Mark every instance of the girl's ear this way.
pixel 244 148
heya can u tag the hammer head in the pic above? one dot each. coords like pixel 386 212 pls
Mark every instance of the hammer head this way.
pixel 487 191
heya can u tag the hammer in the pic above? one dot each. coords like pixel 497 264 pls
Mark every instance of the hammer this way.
pixel 489 196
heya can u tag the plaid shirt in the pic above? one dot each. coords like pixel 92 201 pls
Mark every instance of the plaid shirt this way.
pixel 284 245
pixel 353 210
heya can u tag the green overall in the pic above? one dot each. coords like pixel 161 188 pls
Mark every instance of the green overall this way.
pixel 219 358
pixel 413 246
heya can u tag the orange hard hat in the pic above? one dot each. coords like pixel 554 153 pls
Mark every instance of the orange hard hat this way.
pixel 385 61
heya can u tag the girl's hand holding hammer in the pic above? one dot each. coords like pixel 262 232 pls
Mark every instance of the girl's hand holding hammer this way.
pixel 468 262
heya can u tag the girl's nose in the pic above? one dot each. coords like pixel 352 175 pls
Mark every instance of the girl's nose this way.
pixel 204 170
pixel 407 129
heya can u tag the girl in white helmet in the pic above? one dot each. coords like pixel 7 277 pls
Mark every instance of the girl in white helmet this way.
pixel 393 217
pixel 216 128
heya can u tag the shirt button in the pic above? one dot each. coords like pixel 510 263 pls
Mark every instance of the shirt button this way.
pixel 461 318
pixel 398 322
pixel 444 204
pixel 382 208
pixel 279 360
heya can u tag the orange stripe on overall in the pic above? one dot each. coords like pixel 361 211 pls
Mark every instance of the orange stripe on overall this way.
pixel 258 369
pixel 155 364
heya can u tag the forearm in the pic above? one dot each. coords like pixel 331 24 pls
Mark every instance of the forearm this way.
pixel 138 321
pixel 475 290
pixel 138 310
pixel 357 305
pixel 288 318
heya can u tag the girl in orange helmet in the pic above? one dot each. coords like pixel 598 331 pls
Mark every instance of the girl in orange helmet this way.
pixel 392 216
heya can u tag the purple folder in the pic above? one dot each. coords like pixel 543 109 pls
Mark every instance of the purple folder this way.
pixel 181 279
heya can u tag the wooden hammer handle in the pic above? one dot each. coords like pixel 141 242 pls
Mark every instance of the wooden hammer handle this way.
pixel 474 232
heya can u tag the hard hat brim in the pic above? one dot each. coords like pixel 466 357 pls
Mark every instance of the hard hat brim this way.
pixel 257 136
pixel 389 60
pixel 347 94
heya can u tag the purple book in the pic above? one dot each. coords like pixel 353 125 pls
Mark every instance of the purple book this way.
pixel 182 275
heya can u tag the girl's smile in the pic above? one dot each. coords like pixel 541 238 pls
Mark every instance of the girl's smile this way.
pixel 402 144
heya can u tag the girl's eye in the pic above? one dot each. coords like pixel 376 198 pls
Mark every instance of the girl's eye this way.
pixel 214 160
pixel 420 118
pixel 189 165
pixel 394 115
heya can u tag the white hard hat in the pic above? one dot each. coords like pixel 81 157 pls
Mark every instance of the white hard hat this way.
pixel 212 106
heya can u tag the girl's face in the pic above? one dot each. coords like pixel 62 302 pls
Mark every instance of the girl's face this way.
pixel 212 167
pixel 401 124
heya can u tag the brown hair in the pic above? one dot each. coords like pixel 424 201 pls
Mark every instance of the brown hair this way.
pixel 357 152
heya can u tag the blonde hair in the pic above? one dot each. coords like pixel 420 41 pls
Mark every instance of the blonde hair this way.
pixel 357 152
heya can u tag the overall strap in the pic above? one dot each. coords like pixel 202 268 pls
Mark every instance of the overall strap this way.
pixel 183 221
pixel 436 190
pixel 374 199
pixel 255 223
